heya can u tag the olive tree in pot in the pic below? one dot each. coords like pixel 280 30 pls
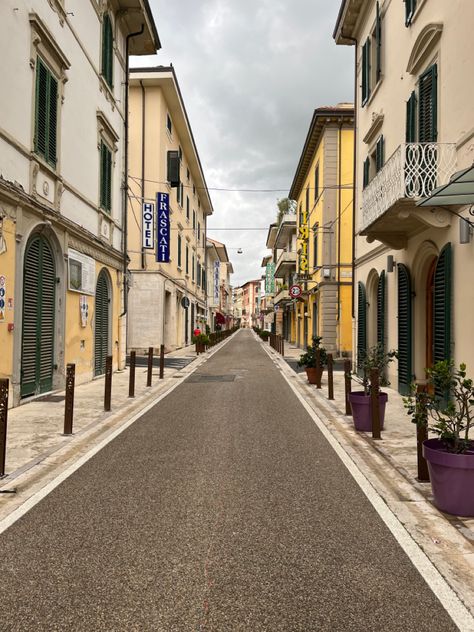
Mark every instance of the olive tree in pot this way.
pixel 314 360
pixel 374 358
pixel 447 408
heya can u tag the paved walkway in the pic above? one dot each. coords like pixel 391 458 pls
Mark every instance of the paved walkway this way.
pixel 223 508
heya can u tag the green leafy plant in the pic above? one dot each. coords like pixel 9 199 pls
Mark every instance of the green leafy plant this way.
pixel 264 335
pixel 448 403
pixel 202 339
pixel 310 358
pixel 373 358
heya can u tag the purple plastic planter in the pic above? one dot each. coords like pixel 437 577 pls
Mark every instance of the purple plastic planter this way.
pixel 452 478
pixel 362 410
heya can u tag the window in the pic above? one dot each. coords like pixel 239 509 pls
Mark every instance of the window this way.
pixel 187 259
pixel 179 194
pixel 180 153
pixel 179 250
pixel 169 124
pixel 107 50
pixel 410 8
pixel 187 207
pixel 410 132
pixel 193 269
pixel 199 230
pixel 46 113
pixel 198 275
pixel 372 58
pixel 316 182
pixel 366 178
pixel 187 174
pixel 365 72
pixel 379 154
pixel 194 220
pixel 315 245
pixel 199 203
pixel 105 177
pixel 428 106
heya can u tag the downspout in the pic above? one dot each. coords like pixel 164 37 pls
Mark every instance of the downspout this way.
pixel 143 159
pixel 339 230
pixel 125 175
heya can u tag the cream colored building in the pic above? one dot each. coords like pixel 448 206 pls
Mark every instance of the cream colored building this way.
pixel 415 130
pixel 62 164
pixel 219 292
pixel 167 300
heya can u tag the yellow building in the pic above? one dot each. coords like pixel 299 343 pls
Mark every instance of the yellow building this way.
pixel 322 188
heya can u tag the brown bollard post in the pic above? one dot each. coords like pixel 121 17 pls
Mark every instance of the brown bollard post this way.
pixel 318 364
pixel 3 423
pixel 162 361
pixel 330 377
pixel 108 383
pixel 421 433
pixel 150 366
pixel 69 400
pixel 374 403
pixel 282 346
pixel 131 377
pixel 347 385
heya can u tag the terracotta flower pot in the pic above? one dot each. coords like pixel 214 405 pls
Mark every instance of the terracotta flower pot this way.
pixel 452 478
pixel 362 410
pixel 314 375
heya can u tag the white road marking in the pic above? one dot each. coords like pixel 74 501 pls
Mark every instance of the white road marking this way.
pixel 440 587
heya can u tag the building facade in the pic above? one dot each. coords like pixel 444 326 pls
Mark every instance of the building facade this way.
pixel 62 165
pixel 167 262
pixel 414 133
pixel 250 303
pixel 219 293
pixel 323 190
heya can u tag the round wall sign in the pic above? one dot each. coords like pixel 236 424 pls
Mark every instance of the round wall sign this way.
pixel 295 291
pixel 185 302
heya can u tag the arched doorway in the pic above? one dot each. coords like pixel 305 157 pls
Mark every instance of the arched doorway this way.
pixel 39 307
pixel 102 323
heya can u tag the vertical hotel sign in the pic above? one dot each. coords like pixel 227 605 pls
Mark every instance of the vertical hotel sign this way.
pixel 303 237
pixel 148 225
pixel 163 227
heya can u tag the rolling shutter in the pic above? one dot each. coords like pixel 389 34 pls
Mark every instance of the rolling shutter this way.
pixel 442 306
pixel 381 310
pixel 361 323
pixel 428 106
pixel 404 330
pixel 101 323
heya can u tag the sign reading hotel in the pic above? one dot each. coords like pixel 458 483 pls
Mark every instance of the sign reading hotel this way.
pixel 148 225
pixel 270 279
pixel 303 237
pixel 163 227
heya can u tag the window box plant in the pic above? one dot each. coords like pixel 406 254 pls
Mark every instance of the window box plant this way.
pixel 313 361
pixel 374 358
pixel 446 407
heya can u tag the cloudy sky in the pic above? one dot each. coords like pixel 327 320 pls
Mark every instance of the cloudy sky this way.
pixel 251 73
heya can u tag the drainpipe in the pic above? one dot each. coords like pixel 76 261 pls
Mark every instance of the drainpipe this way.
pixel 125 175
pixel 339 230
pixel 143 159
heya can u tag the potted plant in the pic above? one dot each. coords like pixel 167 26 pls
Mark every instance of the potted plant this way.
pixel 264 334
pixel 313 361
pixel 447 408
pixel 361 403
pixel 201 341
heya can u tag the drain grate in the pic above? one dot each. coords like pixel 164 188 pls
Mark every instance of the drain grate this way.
pixel 201 379
pixel 51 398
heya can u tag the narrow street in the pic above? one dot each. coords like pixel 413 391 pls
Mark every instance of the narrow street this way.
pixel 223 508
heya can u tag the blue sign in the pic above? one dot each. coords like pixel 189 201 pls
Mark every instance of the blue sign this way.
pixel 163 227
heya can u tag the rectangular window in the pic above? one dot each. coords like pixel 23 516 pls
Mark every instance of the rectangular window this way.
pixel 199 230
pixel 46 113
pixel 187 259
pixel 180 153
pixel 169 125
pixel 428 106
pixel 194 219
pixel 366 177
pixel 366 67
pixel 193 268
pixel 316 183
pixel 198 275
pixel 179 250
pixel 379 154
pixel 410 8
pixel 107 50
pixel 179 194
pixel 105 177
pixel 187 207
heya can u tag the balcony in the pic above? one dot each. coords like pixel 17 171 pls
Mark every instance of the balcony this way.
pixel 413 171
pixel 286 262
pixel 282 296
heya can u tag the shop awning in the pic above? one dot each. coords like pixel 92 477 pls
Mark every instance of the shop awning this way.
pixel 220 318
pixel 458 191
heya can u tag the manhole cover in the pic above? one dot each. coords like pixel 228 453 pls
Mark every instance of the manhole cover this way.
pixel 211 378
pixel 51 398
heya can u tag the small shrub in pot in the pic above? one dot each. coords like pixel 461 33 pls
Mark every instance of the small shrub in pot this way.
pixel 314 360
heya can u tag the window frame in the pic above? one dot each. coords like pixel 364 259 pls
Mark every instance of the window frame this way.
pixel 50 153
pixel 105 179
pixel 107 60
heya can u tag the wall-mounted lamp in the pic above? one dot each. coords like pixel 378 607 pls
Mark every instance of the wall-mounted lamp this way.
pixel 465 231
pixel 391 263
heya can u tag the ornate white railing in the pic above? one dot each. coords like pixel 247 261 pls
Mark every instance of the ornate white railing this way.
pixel 412 171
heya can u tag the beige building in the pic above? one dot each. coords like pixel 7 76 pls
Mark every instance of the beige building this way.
pixel 167 298
pixel 219 289
pixel 62 165
pixel 415 131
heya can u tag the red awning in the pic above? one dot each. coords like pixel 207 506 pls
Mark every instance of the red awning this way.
pixel 220 318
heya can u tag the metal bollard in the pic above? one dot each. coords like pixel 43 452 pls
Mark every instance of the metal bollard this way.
pixel 330 376
pixel 3 423
pixel 162 361
pixel 131 377
pixel 374 403
pixel 347 385
pixel 150 366
pixel 421 434
pixel 69 400
pixel 282 346
pixel 108 383
pixel 318 364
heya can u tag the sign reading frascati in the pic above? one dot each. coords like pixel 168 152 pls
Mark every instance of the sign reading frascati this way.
pixel 163 227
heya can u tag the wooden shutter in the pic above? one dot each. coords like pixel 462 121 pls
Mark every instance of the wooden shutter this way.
pixel 410 6
pixel 410 131
pixel 361 323
pixel 428 106
pixel 442 306
pixel 378 42
pixel 52 120
pixel 101 336
pixel 365 71
pixel 404 330
pixel 46 114
pixel 105 177
pixel 48 310
pixel 379 154
pixel 381 310
pixel 107 50
pixel 366 172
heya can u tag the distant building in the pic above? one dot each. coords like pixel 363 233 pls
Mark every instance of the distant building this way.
pixel 250 303
pixel 219 297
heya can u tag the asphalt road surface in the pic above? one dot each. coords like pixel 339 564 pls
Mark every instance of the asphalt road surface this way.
pixel 223 508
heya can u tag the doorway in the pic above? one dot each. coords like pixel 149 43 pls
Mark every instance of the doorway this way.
pixel 102 323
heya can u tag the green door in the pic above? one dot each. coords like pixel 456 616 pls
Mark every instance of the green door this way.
pixel 39 303
pixel 102 302
pixel 361 324
pixel 404 330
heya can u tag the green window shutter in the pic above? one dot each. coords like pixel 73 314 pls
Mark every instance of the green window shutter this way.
pixel 405 371
pixel 52 120
pixel 107 50
pixel 428 106
pixel 381 310
pixel 442 306
pixel 378 41
pixel 366 172
pixel 101 315
pixel 179 250
pixel 361 323
pixel 365 74
pixel 105 177
pixel 410 6
pixel 46 114
pixel 410 131
pixel 379 154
